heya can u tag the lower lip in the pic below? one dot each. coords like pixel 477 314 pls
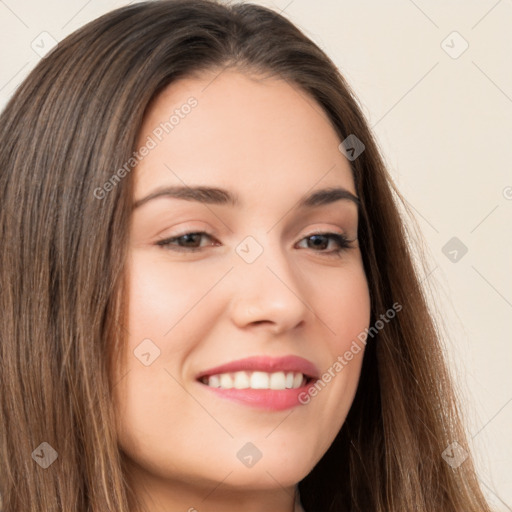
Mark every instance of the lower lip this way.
pixel 268 399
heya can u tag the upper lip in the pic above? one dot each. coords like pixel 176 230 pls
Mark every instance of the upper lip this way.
pixel 267 364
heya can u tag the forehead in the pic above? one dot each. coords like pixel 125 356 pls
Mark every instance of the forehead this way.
pixel 241 132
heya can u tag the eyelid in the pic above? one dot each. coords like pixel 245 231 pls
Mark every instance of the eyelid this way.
pixel 187 230
pixel 192 226
pixel 328 231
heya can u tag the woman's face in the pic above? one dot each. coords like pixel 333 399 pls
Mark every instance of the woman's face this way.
pixel 253 284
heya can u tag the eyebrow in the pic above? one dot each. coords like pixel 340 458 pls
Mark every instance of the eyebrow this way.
pixel 213 195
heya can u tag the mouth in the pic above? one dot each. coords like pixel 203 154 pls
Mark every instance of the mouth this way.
pixel 262 382
pixel 257 380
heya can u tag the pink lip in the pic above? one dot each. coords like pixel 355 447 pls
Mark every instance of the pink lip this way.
pixel 266 364
pixel 269 399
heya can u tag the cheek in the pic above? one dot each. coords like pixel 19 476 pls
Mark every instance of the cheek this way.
pixel 159 336
pixel 343 305
pixel 158 298
pixel 165 302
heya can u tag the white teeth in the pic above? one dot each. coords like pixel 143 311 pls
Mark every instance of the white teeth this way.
pixel 297 380
pixel 242 380
pixel 226 381
pixel 214 381
pixel 256 380
pixel 259 380
pixel 277 380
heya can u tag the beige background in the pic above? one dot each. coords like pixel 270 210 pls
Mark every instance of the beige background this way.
pixel 444 123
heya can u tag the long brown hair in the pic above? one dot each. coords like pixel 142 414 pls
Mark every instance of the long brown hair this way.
pixel 71 124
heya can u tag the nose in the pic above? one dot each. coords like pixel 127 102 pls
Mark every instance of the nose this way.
pixel 268 292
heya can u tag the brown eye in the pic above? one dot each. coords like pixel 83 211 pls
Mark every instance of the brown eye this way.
pixel 186 242
pixel 319 242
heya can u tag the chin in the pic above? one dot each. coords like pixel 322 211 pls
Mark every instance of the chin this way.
pixel 273 477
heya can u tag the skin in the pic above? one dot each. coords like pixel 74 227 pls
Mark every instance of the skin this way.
pixel 269 143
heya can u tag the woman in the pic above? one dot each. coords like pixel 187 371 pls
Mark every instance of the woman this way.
pixel 208 298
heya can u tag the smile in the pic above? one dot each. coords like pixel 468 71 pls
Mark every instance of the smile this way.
pixel 256 380
pixel 263 382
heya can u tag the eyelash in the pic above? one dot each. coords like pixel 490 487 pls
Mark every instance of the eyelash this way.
pixel 342 241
